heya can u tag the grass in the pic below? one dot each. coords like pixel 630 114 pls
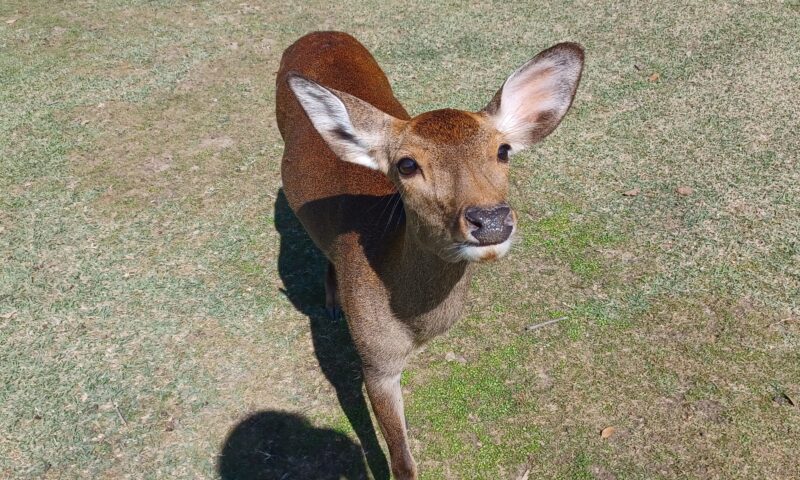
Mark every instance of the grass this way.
pixel 144 328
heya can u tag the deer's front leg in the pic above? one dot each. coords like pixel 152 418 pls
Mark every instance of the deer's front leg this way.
pixel 387 403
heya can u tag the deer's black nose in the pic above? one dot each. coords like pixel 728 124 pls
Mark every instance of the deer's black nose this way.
pixel 490 225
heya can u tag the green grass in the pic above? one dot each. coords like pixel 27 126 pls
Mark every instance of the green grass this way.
pixel 479 425
pixel 570 239
pixel 142 313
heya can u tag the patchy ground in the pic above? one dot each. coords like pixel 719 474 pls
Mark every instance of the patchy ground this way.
pixel 161 312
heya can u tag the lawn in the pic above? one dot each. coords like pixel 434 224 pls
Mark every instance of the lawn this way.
pixel 161 311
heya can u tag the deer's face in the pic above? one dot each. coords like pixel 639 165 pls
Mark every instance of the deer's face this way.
pixel 451 166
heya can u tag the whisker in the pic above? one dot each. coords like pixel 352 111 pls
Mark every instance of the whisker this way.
pixel 391 215
pixel 388 200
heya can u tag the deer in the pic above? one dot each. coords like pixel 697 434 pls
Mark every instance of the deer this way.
pixel 402 207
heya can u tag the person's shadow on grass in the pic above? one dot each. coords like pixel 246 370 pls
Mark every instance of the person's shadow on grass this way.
pixel 273 445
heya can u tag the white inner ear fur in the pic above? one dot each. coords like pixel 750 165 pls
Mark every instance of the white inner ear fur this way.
pixel 539 86
pixel 329 116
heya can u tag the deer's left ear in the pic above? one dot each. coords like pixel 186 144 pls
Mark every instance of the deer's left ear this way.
pixel 534 99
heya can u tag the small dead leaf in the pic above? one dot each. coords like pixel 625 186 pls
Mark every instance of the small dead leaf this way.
pixel 8 315
pixel 158 164
pixel 11 21
pixel 783 399
pixel 452 357
pixel 217 143
pixel 600 473
pixel 654 77
pixel 524 476
pixel 543 382
pixel 632 193
pixel 685 191
pixel 607 432
pixel 169 425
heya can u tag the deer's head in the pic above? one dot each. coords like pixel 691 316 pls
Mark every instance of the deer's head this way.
pixel 451 166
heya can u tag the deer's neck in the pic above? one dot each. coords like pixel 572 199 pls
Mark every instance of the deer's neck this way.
pixel 426 292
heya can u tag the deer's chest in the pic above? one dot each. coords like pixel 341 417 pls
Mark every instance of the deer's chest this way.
pixel 434 316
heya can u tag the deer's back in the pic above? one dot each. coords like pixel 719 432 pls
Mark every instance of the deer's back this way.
pixel 330 196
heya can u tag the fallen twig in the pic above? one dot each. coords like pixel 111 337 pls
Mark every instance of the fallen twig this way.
pixel 530 328
pixel 119 414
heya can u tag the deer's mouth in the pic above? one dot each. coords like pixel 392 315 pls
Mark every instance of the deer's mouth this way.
pixel 485 252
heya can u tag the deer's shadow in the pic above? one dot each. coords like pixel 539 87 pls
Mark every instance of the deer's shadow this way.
pixel 302 269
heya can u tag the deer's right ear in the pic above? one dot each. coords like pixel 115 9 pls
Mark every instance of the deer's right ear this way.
pixel 353 129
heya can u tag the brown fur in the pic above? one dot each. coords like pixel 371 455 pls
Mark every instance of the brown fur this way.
pixel 447 126
pixel 386 238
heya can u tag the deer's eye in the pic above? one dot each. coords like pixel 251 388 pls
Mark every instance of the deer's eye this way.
pixel 407 166
pixel 502 152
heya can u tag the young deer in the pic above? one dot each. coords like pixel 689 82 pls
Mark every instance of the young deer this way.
pixel 404 207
